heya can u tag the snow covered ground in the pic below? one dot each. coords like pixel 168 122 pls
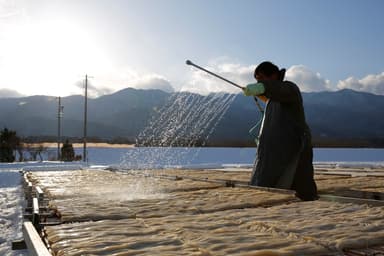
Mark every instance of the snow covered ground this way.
pixel 10 211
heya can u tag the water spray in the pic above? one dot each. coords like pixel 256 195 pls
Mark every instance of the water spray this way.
pixel 188 62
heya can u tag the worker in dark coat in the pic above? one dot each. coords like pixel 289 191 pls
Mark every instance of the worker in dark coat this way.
pixel 284 152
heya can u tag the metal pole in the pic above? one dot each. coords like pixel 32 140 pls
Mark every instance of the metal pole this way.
pixel 188 62
pixel 58 128
pixel 85 120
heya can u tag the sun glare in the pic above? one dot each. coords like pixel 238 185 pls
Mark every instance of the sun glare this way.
pixel 50 57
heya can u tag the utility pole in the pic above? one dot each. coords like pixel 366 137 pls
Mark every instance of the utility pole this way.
pixel 59 116
pixel 85 120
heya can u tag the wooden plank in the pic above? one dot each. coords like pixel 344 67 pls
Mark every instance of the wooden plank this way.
pixel 33 241
pixel 351 173
pixel 25 180
pixel 227 183
pixel 19 245
pixel 341 199
pixel 364 251
pixel 29 188
pixel 47 214
pixel 28 194
pixel 39 191
pixel 41 208
pixel 35 206
pixel 39 194
pixel 51 223
pixel 363 194
pixel 35 212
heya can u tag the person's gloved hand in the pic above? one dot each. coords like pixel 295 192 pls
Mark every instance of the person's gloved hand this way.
pixel 254 89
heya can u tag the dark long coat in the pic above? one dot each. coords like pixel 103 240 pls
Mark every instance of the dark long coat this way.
pixel 284 152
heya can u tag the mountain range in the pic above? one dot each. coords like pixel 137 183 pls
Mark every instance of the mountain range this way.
pixel 336 118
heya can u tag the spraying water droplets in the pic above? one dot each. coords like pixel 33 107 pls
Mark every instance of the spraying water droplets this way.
pixel 186 120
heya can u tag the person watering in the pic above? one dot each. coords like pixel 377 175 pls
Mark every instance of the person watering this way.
pixel 284 151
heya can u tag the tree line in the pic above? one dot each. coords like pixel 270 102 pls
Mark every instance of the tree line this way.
pixel 13 148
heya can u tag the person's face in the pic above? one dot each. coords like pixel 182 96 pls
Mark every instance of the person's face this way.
pixel 263 77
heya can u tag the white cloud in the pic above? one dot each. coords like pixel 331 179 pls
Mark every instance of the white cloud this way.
pixel 10 9
pixel 153 82
pixel 371 83
pixel 306 79
pixel 92 90
pixel 9 93
pixel 204 83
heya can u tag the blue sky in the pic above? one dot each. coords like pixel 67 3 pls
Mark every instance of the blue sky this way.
pixel 46 47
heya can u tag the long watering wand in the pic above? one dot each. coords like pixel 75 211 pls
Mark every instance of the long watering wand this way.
pixel 188 62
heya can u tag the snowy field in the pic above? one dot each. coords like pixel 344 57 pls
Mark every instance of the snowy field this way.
pixel 204 158
pixel 10 211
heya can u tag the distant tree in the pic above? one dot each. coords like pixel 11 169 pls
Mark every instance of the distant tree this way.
pixel 40 149
pixel 35 150
pixel 67 152
pixel 20 152
pixel 32 152
pixel 17 147
pixel 9 142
